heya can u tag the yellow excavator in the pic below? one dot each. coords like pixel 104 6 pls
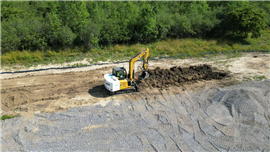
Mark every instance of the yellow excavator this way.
pixel 120 80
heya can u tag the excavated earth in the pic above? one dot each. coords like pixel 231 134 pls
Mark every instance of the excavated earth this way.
pixel 189 106
pixel 177 76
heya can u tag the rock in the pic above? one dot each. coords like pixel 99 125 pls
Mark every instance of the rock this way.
pixel 37 112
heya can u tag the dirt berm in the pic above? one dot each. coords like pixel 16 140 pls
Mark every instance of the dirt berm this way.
pixel 176 76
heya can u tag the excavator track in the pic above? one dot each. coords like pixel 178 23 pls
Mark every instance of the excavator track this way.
pixel 125 91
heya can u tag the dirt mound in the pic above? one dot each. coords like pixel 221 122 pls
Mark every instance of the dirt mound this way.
pixel 175 76
pixel 249 105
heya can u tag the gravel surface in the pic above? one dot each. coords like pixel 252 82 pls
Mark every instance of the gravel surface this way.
pixel 234 118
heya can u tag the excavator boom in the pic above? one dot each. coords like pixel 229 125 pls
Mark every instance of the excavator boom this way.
pixel 145 74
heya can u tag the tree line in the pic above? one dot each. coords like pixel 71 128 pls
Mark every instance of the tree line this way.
pixel 41 25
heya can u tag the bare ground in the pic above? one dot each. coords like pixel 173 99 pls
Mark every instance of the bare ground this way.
pixel 54 90
pixel 195 115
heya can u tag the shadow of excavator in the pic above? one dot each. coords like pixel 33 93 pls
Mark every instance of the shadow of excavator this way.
pixel 99 92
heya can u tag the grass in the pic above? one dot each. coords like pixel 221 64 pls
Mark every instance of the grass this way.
pixel 259 78
pixel 247 79
pixel 8 117
pixel 256 78
pixel 169 47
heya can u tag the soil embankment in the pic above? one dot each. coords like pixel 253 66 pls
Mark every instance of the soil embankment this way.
pixel 177 76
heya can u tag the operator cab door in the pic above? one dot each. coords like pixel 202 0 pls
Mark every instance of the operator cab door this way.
pixel 121 74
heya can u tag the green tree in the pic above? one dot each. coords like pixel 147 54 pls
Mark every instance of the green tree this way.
pixel 164 24
pixel 232 5
pixel 266 6
pixel 9 38
pixel 146 28
pixel 181 26
pixel 66 36
pixel 246 20
pixel 73 14
pixel 32 34
pixel 54 29
pixel 57 24
pixel 200 17
pixel 14 10
pixel 90 36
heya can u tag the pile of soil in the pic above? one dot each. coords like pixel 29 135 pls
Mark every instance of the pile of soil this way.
pixel 176 76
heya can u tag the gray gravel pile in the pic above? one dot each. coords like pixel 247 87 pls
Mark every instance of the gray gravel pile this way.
pixel 234 118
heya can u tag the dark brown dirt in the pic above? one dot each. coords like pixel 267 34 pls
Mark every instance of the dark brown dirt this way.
pixel 176 76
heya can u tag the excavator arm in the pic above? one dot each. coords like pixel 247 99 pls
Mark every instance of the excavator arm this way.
pixel 145 74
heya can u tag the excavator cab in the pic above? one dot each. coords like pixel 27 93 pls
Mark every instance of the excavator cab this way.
pixel 119 72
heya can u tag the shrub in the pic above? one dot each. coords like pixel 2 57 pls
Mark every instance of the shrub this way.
pixel 246 20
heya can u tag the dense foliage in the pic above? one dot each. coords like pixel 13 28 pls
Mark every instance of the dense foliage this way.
pixel 40 25
pixel 246 20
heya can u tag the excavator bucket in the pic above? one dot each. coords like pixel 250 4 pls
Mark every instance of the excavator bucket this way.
pixel 144 75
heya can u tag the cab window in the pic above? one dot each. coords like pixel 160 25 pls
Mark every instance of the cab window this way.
pixel 121 75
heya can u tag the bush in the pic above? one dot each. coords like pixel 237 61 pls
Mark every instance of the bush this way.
pixel 246 20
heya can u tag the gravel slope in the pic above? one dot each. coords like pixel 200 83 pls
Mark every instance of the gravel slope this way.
pixel 234 118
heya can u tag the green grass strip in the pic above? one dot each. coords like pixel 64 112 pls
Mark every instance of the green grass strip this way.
pixel 8 117
pixel 169 47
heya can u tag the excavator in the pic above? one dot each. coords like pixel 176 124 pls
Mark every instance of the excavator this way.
pixel 120 81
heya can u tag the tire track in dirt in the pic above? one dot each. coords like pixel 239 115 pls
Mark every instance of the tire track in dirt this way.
pixel 54 92
pixel 45 91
